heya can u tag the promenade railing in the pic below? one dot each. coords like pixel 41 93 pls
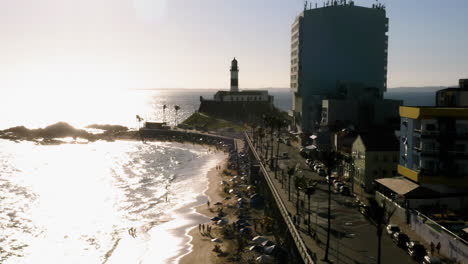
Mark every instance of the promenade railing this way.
pixel 301 247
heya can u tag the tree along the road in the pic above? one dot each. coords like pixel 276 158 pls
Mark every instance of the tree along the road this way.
pixel 380 217
pixel 291 172
pixel 309 191
pixel 328 159
pixel 280 124
pixel 300 184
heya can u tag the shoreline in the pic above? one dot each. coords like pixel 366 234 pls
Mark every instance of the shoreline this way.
pixel 200 247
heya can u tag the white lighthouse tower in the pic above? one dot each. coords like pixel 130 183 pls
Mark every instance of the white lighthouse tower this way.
pixel 234 76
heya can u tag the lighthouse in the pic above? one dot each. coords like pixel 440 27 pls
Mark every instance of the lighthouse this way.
pixel 234 76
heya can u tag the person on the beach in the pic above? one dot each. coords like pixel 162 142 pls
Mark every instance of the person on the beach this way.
pixel 199 228
pixel 203 227
pixel 438 247
pixel 208 203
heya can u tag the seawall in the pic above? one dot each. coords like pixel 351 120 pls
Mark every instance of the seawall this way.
pixel 246 111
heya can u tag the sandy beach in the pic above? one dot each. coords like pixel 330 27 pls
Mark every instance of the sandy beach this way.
pixel 201 246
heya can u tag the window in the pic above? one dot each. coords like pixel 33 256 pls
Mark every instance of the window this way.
pixel 460 148
pixel 430 127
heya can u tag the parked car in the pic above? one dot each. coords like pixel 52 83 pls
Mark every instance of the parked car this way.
pixel 364 210
pixel 392 229
pixel 431 260
pixel 412 243
pixel 417 252
pixel 321 172
pixel 330 179
pixel 338 185
pixel 344 190
pixel 400 239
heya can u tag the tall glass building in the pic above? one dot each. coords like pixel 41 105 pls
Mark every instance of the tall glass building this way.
pixel 331 47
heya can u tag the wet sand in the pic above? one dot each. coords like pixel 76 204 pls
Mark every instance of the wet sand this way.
pixel 201 247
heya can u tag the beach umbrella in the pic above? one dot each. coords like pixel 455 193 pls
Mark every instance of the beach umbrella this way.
pixel 215 218
pixel 271 250
pixel 256 248
pixel 216 240
pixel 267 243
pixel 241 200
pixel 246 230
pixel 265 259
pixel 259 239
pixel 222 221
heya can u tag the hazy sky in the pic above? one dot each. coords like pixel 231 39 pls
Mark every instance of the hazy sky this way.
pixel 55 44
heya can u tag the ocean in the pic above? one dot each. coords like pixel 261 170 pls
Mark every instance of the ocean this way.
pixel 75 203
pixel 118 107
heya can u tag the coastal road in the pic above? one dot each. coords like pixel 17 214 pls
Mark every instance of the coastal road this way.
pixel 353 237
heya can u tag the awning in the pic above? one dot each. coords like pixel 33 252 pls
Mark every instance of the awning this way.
pixel 407 188
pixel 399 185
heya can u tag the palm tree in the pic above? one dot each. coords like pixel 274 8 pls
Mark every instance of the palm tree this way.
pixel 280 123
pixel 328 158
pixel 380 218
pixel 164 112
pixel 261 135
pixel 176 108
pixel 139 119
pixel 309 191
pixel 291 172
pixel 299 184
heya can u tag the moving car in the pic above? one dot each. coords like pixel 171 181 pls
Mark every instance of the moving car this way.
pixel 392 229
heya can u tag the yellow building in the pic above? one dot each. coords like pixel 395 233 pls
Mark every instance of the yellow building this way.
pixel 434 146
